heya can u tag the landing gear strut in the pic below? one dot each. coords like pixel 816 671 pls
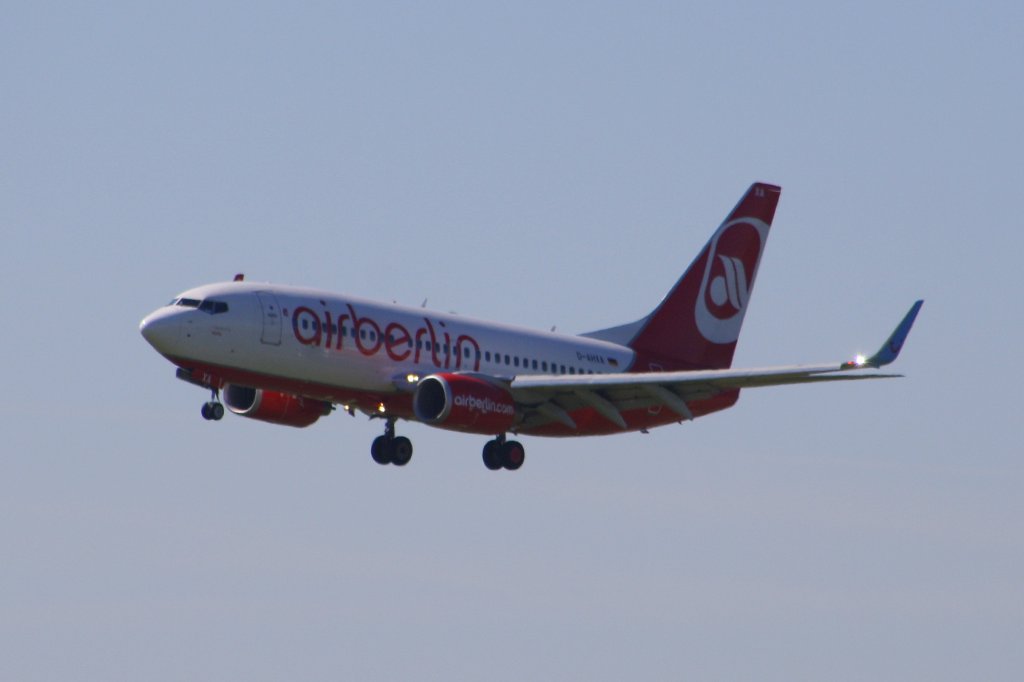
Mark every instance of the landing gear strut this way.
pixel 389 448
pixel 502 454
pixel 213 410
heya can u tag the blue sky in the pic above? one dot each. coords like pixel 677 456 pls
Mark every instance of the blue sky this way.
pixel 542 164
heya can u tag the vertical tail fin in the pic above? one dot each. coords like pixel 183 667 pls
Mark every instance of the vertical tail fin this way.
pixel 698 322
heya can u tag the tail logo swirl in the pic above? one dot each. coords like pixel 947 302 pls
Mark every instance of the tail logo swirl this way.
pixel 730 286
pixel 732 259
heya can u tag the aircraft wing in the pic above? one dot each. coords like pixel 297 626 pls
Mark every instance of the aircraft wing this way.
pixel 553 398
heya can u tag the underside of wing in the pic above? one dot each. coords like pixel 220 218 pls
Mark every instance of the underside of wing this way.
pixel 546 400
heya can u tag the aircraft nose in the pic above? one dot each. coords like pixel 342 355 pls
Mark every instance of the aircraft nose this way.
pixel 160 328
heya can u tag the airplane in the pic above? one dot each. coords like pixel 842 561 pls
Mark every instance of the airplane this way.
pixel 288 355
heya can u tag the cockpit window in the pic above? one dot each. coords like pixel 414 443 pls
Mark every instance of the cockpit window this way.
pixel 213 307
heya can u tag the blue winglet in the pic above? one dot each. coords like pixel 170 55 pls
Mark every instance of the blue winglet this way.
pixel 890 350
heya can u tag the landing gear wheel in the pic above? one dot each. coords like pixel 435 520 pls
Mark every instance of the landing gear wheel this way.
pixel 492 455
pixel 380 451
pixel 389 448
pixel 401 451
pixel 212 411
pixel 513 454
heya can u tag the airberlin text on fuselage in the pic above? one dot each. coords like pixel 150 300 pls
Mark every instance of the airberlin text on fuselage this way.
pixel 329 330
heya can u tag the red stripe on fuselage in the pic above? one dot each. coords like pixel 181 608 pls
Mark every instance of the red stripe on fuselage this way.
pixel 588 421
pixel 397 404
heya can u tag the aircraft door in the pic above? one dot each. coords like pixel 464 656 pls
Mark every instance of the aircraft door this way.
pixel 271 312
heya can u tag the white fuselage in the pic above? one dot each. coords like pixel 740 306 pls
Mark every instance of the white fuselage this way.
pixel 305 335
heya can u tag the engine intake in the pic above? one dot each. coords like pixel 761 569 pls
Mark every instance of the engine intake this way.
pixel 274 407
pixel 464 403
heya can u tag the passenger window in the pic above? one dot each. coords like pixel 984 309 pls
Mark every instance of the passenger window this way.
pixel 487 356
pixel 516 360
pixel 544 365
pixel 572 370
pixel 535 364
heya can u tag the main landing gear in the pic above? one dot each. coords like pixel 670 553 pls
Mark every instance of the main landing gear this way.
pixel 502 454
pixel 389 448
pixel 498 453
pixel 213 410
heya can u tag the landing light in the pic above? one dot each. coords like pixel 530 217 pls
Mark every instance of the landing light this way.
pixel 860 360
pixel 412 378
pixel 381 408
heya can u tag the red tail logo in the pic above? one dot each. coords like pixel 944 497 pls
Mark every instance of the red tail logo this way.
pixel 728 276
pixel 698 323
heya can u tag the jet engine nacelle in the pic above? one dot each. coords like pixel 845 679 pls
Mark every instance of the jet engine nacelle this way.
pixel 274 407
pixel 464 403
